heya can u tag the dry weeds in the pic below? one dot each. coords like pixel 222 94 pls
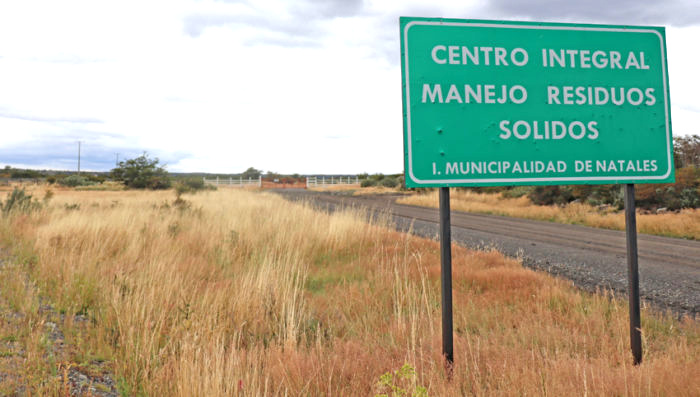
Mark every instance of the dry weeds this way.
pixel 243 293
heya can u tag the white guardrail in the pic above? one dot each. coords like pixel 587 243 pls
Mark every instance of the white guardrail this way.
pixel 234 182
pixel 314 181
pixel 311 181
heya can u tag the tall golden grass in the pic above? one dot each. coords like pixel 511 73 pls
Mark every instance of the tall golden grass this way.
pixel 243 293
pixel 685 223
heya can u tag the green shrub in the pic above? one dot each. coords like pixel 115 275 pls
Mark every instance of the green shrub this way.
pixel 548 195
pixel 618 197
pixel 19 201
pixel 517 191
pixel 95 178
pixel 76 180
pixel 377 177
pixel 601 194
pixel 196 184
pixel 27 174
pixel 689 198
pixel 368 183
pixel 191 186
pixel 142 173
pixel 401 383
pixel 389 182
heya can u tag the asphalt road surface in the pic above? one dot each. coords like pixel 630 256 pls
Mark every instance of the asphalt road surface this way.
pixel 669 268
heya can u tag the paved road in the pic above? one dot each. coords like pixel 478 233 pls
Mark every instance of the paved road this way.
pixel 669 268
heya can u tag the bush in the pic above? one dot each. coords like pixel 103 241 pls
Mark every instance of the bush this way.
pixel 27 174
pixel 142 173
pixel 368 183
pixel 389 182
pixel 517 191
pixel 401 383
pixel 95 178
pixel 251 173
pixel 682 194
pixel 19 201
pixel 189 185
pixel 689 198
pixel 686 151
pixel 613 195
pixel 675 199
pixel 196 184
pixel 377 177
pixel 548 195
pixel 76 180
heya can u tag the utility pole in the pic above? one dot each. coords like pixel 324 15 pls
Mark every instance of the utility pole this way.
pixel 116 163
pixel 78 157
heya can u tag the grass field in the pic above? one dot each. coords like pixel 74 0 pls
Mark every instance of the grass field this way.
pixel 243 293
pixel 685 224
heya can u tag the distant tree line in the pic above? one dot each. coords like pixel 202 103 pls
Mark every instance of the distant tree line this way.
pixel 390 181
pixel 686 151
pixel 144 172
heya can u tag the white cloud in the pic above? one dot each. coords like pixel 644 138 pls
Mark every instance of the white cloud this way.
pixel 683 61
pixel 219 86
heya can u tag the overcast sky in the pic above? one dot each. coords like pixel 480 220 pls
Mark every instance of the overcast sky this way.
pixel 305 86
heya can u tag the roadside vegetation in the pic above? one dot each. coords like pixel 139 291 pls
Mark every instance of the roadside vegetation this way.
pixel 381 180
pixel 684 223
pixel 664 209
pixel 243 293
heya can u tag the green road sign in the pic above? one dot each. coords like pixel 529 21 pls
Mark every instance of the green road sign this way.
pixel 516 103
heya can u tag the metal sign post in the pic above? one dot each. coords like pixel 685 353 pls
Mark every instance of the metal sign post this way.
pixel 446 279
pixel 502 103
pixel 633 274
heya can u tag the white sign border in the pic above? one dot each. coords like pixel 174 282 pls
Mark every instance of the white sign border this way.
pixel 527 180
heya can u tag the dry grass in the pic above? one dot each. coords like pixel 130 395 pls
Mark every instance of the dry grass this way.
pixel 378 190
pixel 336 188
pixel 684 224
pixel 244 293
